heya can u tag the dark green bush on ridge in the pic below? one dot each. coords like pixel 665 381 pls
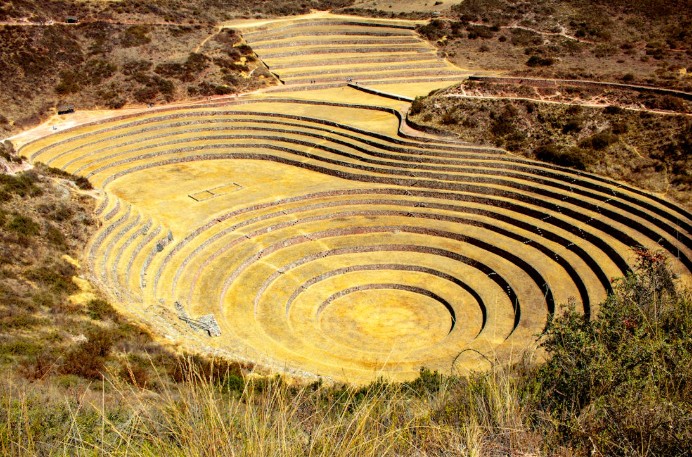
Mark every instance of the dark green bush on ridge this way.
pixel 538 61
pixel 565 156
pixel 100 309
pixel 599 140
pixel 23 184
pixel 23 225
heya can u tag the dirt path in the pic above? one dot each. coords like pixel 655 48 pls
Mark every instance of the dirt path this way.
pixel 217 30
pixel 562 33
pixel 555 102
pixel 27 23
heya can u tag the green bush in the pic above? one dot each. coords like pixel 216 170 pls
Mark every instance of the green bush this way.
pixel 565 156
pixel 434 30
pixel 96 70
pixel 23 184
pixel 572 125
pixel 503 122
pixel 100 309
pixel 448 118
pixel 70 83
pixel 417 106
pixel 88 358
pixel 427 383
pixel 620 384
pixel 612 109
pixel 599 140
pixel 83 183
pixel 480 31
pixel 54 236
pixel 136 35
pixel 538 61
pixel 23 225
pixel 133 67
pixel 57 277
pixel 244 49
pixel 521 37
pixel 666 102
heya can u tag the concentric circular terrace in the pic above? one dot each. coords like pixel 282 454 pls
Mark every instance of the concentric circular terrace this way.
pixel 326 237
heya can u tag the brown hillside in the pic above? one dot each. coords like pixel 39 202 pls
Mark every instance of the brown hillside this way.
pixel 641 42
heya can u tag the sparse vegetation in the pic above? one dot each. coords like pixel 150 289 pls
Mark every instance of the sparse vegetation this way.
pixel 615 41
pixel 615 142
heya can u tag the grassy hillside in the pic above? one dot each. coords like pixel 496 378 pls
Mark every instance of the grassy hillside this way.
pixel 642 42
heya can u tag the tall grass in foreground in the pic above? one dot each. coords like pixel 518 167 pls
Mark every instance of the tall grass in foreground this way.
pixel 268 417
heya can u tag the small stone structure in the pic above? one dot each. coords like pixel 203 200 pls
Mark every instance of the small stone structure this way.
pixel 206 323
pixel 65 109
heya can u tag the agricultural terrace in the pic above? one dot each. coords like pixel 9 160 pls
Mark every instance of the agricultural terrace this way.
pixel 309 229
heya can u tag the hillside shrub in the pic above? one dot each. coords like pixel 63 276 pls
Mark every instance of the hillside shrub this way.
pixel 572 157
pixel 7 150
pixel 480 31
pixel 136 35
pixel 56 277
pixel 133 67
pixel 23 225
pixel 599 141
pixel 666 102
pixel 100 309
pixel 23 184
pixel 96 70
pixel 417 106
pixel 186 71
pixel 54 236
pixel 70 83
pixel 612 109
pixel 620 384
pixel 503 123
pixel 521 37
pixel 448 118
pixel 83 183
pixel 87 359
pixel 538 61
pixel 573 125
pixel 244 49
pixel 434 30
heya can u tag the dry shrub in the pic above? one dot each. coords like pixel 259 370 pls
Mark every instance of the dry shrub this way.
pixel 87 359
